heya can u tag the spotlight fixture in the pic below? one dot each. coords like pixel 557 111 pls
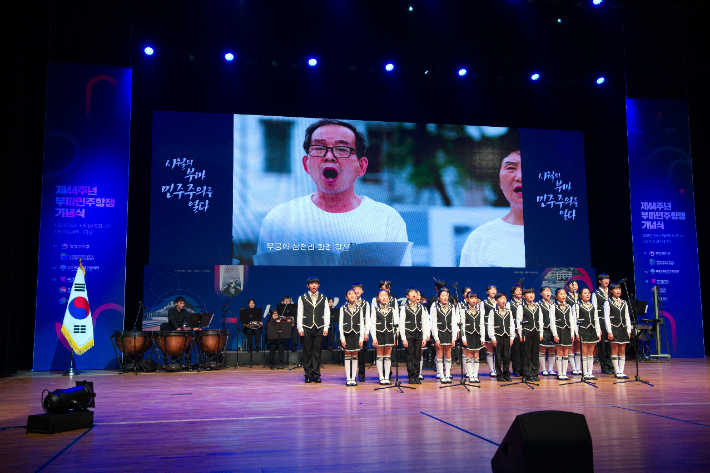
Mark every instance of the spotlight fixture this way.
pixel 535 76
pixel 389 67
pixel 600 80
pixel 411 8
pixel 78 398
pixel 148 51
pixel 229 57
pixel 597 2
pixel 312 62
pixel 462 72
pixel 559 20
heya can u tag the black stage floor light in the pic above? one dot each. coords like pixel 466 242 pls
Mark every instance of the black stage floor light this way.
pixel 57 405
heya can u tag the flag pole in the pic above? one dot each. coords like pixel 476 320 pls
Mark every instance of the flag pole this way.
pixel 72 371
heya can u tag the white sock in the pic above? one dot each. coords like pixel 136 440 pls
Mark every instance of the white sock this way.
pixel 464 360
pixel 590 365
pixel 387 366
pixel 421 365
pixel 558 362
pixel 578 361
pixel 615 363
pixel 379 362
pixel 348 359
pixel 440 368
pixel 489 361
pixel 354 368
pixel 570 361
pixel 565 360
pixel 622 363
pixel 474 368
pixel 553 359
pixel 447 367
pixel 542 361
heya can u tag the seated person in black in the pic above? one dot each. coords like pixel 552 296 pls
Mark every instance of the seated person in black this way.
pixel 177 316
pixel 274 343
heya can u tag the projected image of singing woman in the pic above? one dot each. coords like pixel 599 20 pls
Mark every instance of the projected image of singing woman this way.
pixel 501 242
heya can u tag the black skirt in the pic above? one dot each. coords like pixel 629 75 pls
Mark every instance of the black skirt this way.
pixel 565 334
pixel 445 338
pixel 547 339
pixel 473 340
pixel 620 334
pixel 588 335
pixel 385 339
pixel 352 341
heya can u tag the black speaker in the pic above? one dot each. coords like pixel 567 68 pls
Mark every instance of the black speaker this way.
pixel 55 423
pixel 545 441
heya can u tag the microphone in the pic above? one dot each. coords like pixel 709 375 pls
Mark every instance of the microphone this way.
pixel 144 307
pixel 225 305
pixel 622 280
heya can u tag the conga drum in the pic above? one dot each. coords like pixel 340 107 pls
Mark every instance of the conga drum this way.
pixel 172 344
pixel 210 343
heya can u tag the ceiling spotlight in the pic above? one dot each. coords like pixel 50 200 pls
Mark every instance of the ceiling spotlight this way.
pixel 535 76
pixel 559 20
pixel 312 62
pixel 597 2
pixel 229 57
pixel 462 72
pixel 411 8
pixel 149 51
pixel 600 81
pixel 389 67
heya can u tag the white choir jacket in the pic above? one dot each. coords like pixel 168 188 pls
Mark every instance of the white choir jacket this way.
pixel 454 322
pixel 299 314
pixel 481 328
pixel 426 327
pixel 363 323
pixel 519 319
pixel 625 314
pixel 513 321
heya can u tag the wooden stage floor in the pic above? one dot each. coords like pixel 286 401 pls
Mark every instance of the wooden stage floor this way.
pixel 261 420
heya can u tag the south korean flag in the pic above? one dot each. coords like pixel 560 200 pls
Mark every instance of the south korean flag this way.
pixel 77 326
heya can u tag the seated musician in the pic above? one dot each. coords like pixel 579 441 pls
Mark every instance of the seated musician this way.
pixel 274 343
pixel 252 329
pixel 177 316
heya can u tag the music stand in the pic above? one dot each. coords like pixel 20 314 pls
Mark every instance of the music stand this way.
pixel 280 330
pixel 199 319
pixel 248 316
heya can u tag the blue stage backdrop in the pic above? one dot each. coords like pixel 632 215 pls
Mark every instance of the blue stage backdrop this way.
pixel 663 217
pixel 84 207
pixel 210 287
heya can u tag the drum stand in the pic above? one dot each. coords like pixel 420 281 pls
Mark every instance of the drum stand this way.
pixel 396 384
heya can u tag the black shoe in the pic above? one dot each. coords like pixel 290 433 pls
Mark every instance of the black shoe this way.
pixel 308 379
pixel 316 380
pixel 534 378
pixel 417 381
pixel 607 372
pixel 361 377
pixel 500 378
pixel 507 378
pixel 293 350
pixel 272 367
pixel 413 381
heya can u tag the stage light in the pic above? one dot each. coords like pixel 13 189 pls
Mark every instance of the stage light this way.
pixel 597 2
pixel 80 397
pixel 559 20
pixel 411 8
pixel 535 76
pixel 462 72
pixel 229 57
pixel 312 62
pixel 148 51
pixel 389 67
pixel 600 81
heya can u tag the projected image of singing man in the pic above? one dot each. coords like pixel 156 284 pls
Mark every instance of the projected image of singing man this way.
pixel 334 217
pixel 501 242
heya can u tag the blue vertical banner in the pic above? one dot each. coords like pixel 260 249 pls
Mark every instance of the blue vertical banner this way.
pixel 84 208
pixel 663 217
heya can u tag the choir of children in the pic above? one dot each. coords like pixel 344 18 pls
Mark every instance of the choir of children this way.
pixel 550 328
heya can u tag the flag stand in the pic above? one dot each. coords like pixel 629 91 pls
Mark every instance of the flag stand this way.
pixel 71 371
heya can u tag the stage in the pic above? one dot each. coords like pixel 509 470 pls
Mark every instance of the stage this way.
pixel 256 419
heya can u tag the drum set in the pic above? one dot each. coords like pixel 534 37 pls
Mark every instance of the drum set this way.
pixel 176 347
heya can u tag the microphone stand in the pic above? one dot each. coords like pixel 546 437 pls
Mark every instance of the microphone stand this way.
pixel 396 384
pixel 582 379
pixel 523 379
pixel 632 312
pixel 463 383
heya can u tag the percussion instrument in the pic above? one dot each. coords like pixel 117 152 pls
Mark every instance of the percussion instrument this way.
pixel 133 344
pixel 174 344
pixel 210 343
